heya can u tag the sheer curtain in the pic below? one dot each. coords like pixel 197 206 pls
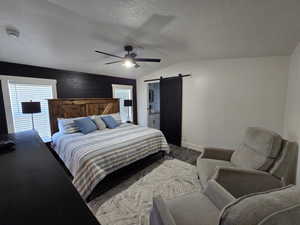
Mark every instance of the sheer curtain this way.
pixel 123 92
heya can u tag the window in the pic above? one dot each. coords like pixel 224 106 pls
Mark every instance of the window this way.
pixel 17 90
pixel 123 92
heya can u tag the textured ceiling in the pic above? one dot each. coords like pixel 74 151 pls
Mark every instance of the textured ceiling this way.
pixel 64 33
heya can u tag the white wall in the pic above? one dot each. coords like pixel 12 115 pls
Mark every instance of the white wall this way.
pixel 223 97
pixel 292 114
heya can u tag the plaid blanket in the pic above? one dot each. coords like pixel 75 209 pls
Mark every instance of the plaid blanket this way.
pixel 93 156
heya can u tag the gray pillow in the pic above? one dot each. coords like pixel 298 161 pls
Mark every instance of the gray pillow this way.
pixel 99 122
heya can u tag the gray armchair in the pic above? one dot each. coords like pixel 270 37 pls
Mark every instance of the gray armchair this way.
pixel 216 206
pixel 263 161
pixel 195 208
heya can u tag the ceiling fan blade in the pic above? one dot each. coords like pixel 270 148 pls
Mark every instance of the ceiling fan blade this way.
pixel 104 53
pixel 147 60
pixel 113 62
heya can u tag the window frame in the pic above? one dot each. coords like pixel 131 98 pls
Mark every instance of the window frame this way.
pixel 125 87
pixel 24 80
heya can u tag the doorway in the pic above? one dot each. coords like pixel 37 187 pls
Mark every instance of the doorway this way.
pixel 164 107
pixel 154 105
pixel 171 109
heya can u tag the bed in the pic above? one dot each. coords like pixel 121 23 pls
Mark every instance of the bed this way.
pixel 93 156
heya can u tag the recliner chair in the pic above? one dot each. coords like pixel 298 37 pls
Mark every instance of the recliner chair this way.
pixel 263 161
pixel 216 206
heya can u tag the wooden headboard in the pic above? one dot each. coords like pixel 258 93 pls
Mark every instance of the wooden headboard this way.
pixel 80 107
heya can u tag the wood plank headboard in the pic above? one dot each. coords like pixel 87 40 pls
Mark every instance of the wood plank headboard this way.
pixel 80 107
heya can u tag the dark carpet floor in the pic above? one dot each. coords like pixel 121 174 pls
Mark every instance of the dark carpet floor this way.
pixel 184 154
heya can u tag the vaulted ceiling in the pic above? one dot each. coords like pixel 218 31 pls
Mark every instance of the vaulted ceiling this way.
pixel 64 33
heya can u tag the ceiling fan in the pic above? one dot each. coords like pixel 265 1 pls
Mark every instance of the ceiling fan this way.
pixel 130 59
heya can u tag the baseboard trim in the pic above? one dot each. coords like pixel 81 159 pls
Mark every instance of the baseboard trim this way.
pixel 192 146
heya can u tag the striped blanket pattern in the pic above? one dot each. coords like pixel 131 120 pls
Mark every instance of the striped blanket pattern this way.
pixel 93 156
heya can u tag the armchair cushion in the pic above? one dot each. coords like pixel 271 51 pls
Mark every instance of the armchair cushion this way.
pixel 240 182
pixel 193 208
pixel 258 150
pixel 258 208
pixel 206 168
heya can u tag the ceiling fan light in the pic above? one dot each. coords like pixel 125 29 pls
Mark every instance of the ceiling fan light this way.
pixel 128 63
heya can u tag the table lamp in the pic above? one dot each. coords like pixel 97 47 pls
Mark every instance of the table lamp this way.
pixel 128 103
pixel 31 107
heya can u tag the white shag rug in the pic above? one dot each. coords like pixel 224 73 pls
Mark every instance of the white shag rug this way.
pixel 130 202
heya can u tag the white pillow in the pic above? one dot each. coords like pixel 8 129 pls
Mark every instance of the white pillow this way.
pixel 67 126
pixel 99 122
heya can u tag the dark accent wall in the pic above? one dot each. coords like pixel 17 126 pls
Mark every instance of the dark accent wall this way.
pixel 70 84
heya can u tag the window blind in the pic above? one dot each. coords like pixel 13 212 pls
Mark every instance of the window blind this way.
pixel 23 92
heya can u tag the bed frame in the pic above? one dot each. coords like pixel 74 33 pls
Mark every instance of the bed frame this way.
pixel 80 107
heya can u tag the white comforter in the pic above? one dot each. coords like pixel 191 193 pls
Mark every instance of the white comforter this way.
pixel 91 157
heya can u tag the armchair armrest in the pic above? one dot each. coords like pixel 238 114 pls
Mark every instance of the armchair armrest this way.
pixel 217 153
pixel 160 214
pixel 241 182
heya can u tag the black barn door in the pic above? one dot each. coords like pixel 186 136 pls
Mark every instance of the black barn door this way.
pixel 171 109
